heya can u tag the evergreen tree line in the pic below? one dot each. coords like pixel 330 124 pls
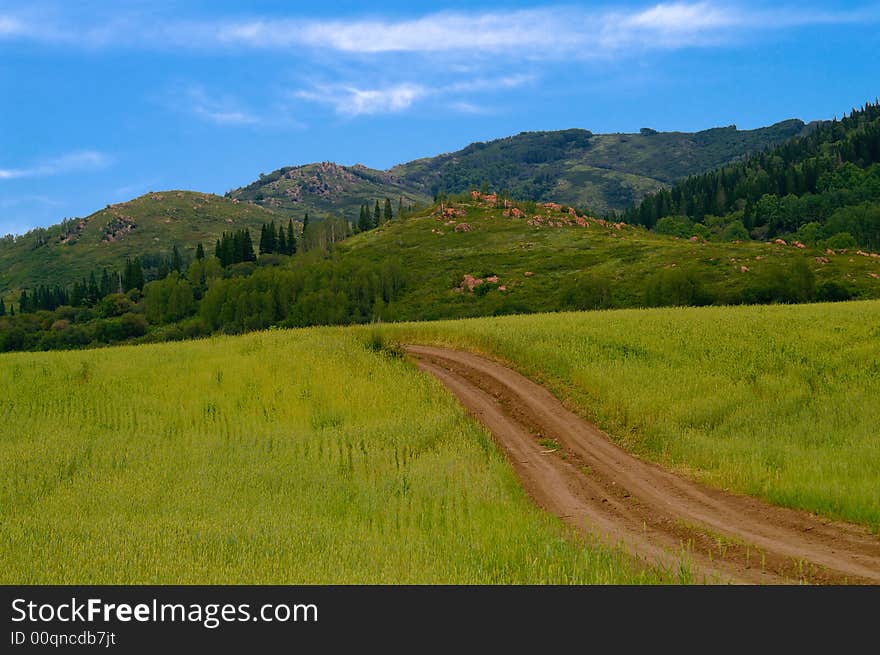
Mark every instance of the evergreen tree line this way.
pixel 802 180
pixel 235 247
pixel 278 240
pixel 370 219
pixel 87 292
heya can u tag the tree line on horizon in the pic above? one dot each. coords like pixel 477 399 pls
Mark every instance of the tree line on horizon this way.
pixel 814 187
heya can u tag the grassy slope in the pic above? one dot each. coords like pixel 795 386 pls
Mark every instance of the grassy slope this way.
pixel 599 172
pixel 327 189
pixel 162 220
pixel 276 457
pixel 509 247
pixel 774 401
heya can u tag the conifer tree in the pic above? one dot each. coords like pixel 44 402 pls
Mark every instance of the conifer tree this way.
pixel 92 292
pixel 377 216
pixel 23 302
pixel 176 260
pixel 2 307
pixel 282 241
pixel 106 287
pixel 387 211
pixel 272 237
pixel 291 238
pixel 200 251
pixel 247 249
pixel 305 242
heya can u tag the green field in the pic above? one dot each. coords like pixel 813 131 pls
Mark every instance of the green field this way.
pixel 779 402
pixel 276 457
pixel 301 456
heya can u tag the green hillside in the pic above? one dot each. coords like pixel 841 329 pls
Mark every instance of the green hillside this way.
pixel 551 259
pixel 466 258
pixel 148 226
pixel 598 172
pixel 824 186
pixel 327 189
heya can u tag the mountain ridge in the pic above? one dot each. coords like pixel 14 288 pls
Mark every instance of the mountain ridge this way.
pixel 597 172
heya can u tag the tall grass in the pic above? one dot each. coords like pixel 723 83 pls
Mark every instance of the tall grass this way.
pixel 278 457
pixel 781 402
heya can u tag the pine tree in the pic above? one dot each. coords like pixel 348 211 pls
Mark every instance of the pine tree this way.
pixel 176 260
pixel 23 302
pixel 400 207
pixel 106 287
pixel 247 249
pixel 272 237
pixel 377 216
pixel 364 222
pixel 2 307
pixel 92 292
pixel 78 293
pixel 282 241
pixel 218 251
pixel 387 211
pixel 305 242
pixel 134 275
pixel 291 238
pixel 264 244
pixel 200 251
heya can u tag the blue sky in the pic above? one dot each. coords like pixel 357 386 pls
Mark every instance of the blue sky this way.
pixel 103 101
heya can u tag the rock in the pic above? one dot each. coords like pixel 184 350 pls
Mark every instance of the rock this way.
pixel 528 274
pixel 462 227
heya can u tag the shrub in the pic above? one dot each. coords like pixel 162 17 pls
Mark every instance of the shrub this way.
pixel 833 291
pixel 675 287
pixel 735 231
pixel 841 241
pixel 676 226
pixel 586 292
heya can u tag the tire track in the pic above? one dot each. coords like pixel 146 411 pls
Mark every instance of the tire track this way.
pixel 573 470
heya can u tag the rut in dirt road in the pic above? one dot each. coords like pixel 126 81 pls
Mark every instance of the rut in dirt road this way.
pixel 572 469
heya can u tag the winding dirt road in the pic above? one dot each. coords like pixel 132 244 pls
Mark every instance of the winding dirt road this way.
pixel 572 469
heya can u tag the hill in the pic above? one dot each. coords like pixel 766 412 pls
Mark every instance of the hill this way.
pixel 472 256
pixel 327 189
pixel 821 186
pixel 546 257
pixel 597 172
pixel 146 227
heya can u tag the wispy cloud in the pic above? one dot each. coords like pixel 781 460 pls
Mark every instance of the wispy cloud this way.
pixel 350 100
pixel 218 110
pixel 353 101
pixel 539 33
pixel 74 162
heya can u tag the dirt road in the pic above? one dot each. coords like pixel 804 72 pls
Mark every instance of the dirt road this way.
pixel 572 469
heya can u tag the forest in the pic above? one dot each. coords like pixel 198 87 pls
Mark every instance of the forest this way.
pixel 287 280
pixel 821 189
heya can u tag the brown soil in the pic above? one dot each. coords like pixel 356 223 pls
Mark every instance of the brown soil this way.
pixel 572 469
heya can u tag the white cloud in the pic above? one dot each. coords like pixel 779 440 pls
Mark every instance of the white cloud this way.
pixel 83 160
pixel 354 101
pixel 350 100
pixel 540 33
